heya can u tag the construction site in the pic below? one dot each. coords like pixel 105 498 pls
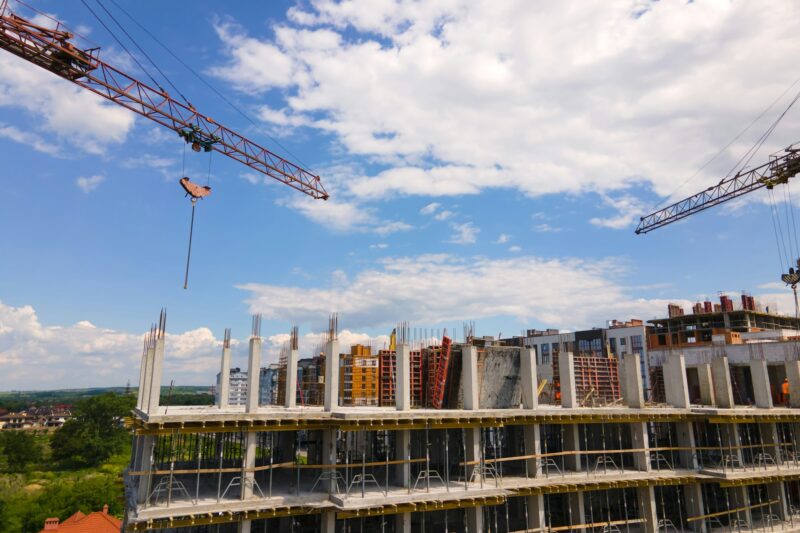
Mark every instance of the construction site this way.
pixel 461 436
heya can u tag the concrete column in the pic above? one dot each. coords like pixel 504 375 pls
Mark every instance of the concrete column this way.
pixel 793 375
pixel 640 441
pixel 253 374
pixel 402 444
pixel 706 384
pixel 402 393
pixel 527 369
pixel 402 523
pixel 536 517
pixel 533 446
pixel 685 437
pixel 632 390
pixel 158 370
pixel 142 373
pixel 332 375
pixel 740 498
pixel 224 378
pixel 474 519
pixel 770 440
pixel 675 386
pixel 761 391
pixel 248 462
pixel 693 495
pixel 243 526
pixel 291 379
pixel 572 443
pixel 566 379
pixel 775 492
pixel 647 508
pixel 329 455
pixel 731 440
pixel 723 391
pixel 469 377
pixel 328 521
pixel 577 508
pixel 145 462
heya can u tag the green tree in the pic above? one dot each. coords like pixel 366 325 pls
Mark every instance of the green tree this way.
pixel 95 432
pixel 20 449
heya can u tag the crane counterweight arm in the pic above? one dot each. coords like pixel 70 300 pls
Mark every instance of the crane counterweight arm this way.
pixel 778 170
pixel 53 50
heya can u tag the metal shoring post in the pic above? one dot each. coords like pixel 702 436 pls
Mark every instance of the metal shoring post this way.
pixel 603 438
pixel 591 507
pixel 525 461
pixel 721 453
pixel 672 461
pixel 507 531
pixel 678 489
pixel 386 474
pixel 655 434
pixel 150 472
pixel 747 447
pixel 346 465
pixel 171 466
pixel 525 511
pixel 296 448
pixel 586 446
pixel 663 509
pixel 728 507
pixel 197 481
pixel 221 442
pixel 464 448
pixel 563 457
pixel 271 459
pixel 408 460
pixel 447 461
pixel 445 520
pixel 498 466
pixel 481 457
pixel 625 507
pixel 427 460
pixel 363 472
pixel 621 455
pixel 608 507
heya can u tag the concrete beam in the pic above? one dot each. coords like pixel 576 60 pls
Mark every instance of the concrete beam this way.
pixel 224 388
pixel 706 382
pixel 761 389
pixel 402 394
pixel 527 367
pixel 632 389
pixel 332 375
pixel 793 375
pixel 157 372
pixel 723 391
pixel 291 379
pixel 566 380
pixel 675 386
pixel 253 374
pixel 469 377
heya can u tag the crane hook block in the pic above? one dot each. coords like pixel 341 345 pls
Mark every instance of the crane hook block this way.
pixel 194 190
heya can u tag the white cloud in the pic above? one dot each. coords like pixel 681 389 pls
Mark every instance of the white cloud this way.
pixel 465 233
pixel 31 139
pixel 514 249
pixel 637 98
pixel 67 113
pixel 35 356
pixel 444 215
pixel 429 209
pixel 311 343
pixel 89 184
pixel 502 239
pixel 628 211
pixel 389 227
pixel 545 228
pixel 379 246
pixel 568 293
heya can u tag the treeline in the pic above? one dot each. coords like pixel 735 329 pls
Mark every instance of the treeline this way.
pixel 78 467
pixel 178 395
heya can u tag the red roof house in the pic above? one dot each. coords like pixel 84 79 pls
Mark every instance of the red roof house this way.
pixel 97 522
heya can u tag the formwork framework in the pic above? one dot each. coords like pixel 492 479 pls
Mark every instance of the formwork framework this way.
pixel 596 379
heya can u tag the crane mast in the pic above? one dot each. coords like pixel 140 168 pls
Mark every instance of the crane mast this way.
pixel 55 51
pixel 778 170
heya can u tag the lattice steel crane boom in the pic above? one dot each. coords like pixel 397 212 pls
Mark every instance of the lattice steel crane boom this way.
pixel 778 170
pixel 55 51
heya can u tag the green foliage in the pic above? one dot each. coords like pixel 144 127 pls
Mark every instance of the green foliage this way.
pixel 186 398
pixel 20 449
pixel 94 433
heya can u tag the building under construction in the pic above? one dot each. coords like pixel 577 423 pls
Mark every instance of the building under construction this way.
pixel 481 449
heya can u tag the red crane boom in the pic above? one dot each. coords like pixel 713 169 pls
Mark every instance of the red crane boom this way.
pixel 53 50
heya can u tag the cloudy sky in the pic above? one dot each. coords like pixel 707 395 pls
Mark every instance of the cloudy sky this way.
pixel 486 161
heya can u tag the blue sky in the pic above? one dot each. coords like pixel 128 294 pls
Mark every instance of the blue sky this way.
pixel 485 163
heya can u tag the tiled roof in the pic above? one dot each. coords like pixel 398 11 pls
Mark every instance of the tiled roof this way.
pixel 97 522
